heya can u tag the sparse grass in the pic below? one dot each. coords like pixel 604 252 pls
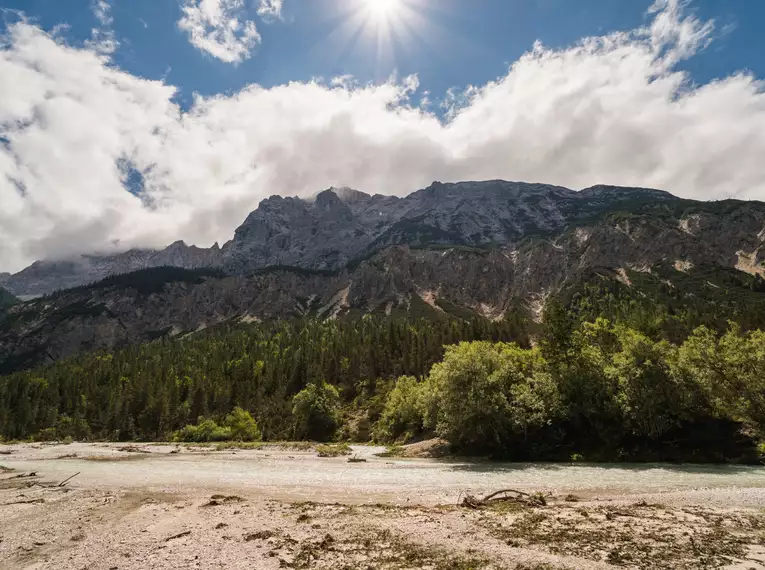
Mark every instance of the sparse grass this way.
pixel 333 450
pixel 392 451
pixel 275 445
pixel 380 549
pixel 506 507
pixel 239 445
pixel 639 536
pixel 130 457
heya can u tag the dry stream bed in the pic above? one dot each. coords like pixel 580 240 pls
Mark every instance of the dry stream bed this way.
pixel 158 506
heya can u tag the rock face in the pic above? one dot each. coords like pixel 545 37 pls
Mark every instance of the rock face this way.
pixel 470 249
pixel 44 277
pixel 341 225
pixel 6 299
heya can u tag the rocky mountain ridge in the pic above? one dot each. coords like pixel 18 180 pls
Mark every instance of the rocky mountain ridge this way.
pixel 695 252
pixel 341 225
pixel 490 250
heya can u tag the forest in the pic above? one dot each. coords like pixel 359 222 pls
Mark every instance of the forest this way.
pixel 603 377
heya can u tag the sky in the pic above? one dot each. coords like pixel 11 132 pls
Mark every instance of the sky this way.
pixel 135 123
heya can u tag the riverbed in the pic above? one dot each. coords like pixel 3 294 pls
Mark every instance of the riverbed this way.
pixel 140 495
pixel 301 475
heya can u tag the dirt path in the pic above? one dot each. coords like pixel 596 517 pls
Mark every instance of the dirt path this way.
pixel 114 526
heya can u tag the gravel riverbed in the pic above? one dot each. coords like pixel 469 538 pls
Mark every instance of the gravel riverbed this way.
pixel 136 506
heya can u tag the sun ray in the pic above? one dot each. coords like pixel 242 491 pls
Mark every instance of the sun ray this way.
pixel 384 31
pixel 382 10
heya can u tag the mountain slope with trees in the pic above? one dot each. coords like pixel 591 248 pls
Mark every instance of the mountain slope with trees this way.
pixel 516 320
pixel 594 389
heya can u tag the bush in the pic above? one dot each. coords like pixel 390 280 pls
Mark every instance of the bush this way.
pixel 239 425
pixel 47 434
pixel 67 429
pixel 205 430
pixel 490 396
pixel 72 427
pixel 404 411
pixel 242 425
pixel 315 412
pixel 333 450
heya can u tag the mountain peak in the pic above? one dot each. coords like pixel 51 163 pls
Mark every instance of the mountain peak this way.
pixel 327 198
pixel 341 224
pixel 350 195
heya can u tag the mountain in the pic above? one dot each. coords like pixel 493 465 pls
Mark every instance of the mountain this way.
pixel 6 299
pixel 44 277
pixel 341 225
pixel 475 249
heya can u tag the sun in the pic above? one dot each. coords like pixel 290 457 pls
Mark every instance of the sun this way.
pixel 382 10
pixel 379 33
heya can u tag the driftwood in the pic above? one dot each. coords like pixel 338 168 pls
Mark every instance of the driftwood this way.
pixel 25 502
pixel 25 475
pixel 531 499
pixel 133 449
pixel 218 500
pixel 179 535
pixel 65 481
pixel 356 459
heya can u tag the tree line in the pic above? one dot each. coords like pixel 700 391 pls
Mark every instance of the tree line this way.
pixel 596 391
pixel 149 391
pixel 577 386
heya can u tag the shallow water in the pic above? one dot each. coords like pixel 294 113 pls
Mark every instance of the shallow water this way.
pixel 303 476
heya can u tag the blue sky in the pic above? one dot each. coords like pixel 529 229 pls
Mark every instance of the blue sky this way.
pixel 135 123
pixel 462 42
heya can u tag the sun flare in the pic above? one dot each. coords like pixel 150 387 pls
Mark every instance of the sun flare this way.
pixel 382 31
pixel 382 10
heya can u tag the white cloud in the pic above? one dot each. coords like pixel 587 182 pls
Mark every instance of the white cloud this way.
pixel 270 8
pixel 102 11
pixel 102 39
pixel 215 27
pixel 611 109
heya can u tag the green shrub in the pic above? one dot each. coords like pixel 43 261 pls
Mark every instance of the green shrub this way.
pixel 239 425
pixel 67 429
pixel 394 450
pixel 72 427
pixel 47 434
pixel 491 395
pixel 335 450
pixel 205 430
pixel 315 412
pixel 404 412
pixel 242 425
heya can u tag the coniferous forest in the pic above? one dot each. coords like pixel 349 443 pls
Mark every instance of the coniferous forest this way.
pixel 603 377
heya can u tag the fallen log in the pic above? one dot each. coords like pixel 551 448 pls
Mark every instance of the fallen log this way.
pixel 531 499
pixel 179 535
pixel 24 475
pixel 65 481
